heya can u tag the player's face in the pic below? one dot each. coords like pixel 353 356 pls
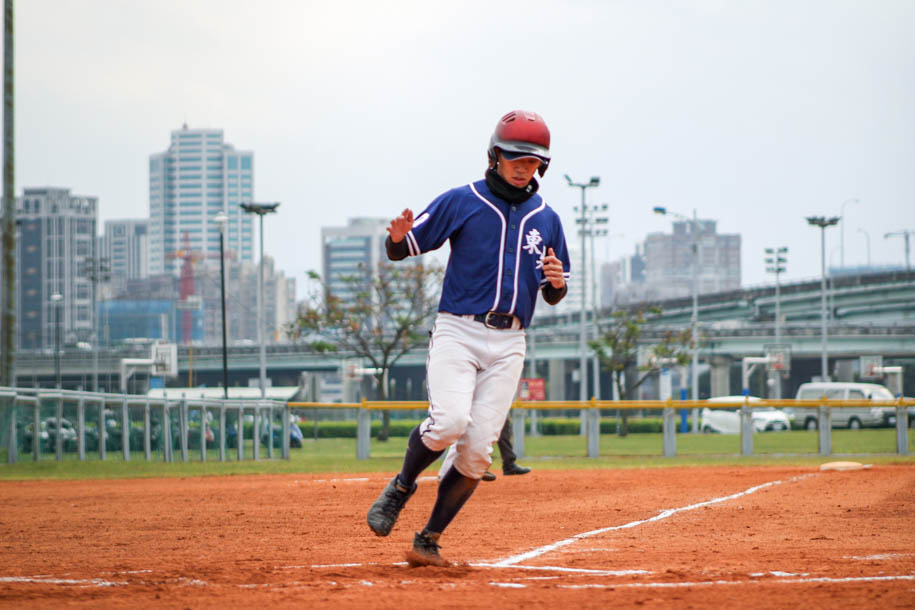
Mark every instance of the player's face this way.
pixel 518 172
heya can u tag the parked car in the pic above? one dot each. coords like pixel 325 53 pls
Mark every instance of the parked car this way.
pixel 726 420
pixel 846 417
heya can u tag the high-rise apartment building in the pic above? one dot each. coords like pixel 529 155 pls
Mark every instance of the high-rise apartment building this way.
pixel 189 184
pixel 352 251
pixel 241 303
pixel 124 246
pixel 668 260
pixel 56 235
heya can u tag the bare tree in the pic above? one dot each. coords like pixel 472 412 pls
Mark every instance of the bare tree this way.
pixel 617 349
pixel 378 316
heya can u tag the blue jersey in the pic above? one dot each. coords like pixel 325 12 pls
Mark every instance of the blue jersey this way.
pixel 497 249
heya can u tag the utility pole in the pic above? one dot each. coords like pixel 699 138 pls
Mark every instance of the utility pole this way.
pixel 8 264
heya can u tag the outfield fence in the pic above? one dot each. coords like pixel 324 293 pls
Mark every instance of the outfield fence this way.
pixel 591 413
pixel 160 428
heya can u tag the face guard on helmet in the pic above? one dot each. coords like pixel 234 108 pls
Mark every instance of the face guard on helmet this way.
pixel 521 133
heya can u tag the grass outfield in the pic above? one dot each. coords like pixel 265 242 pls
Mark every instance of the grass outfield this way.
pixel 544 452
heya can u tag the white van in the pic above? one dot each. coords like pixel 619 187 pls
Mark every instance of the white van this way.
pixel 846 417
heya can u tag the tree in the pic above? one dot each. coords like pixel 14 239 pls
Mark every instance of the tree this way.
pixel 617 350
pixel 376 316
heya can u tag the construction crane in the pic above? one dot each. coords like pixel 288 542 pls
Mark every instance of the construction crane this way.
pixel 188 301
pixel 905 235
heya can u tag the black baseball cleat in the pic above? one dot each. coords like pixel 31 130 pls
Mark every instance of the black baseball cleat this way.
pixel 384 512
pixel 515 469
pixel 425 552
pixel 488 476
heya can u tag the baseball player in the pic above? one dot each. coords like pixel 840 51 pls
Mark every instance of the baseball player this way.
pixel 506 245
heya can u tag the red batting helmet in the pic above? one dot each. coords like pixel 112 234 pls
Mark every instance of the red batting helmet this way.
pixel 521 133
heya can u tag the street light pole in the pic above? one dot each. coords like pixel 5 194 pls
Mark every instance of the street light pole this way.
pixel 598 216
pixel 842 230
pixel 868 238
pixel 694 318
pixel 261 209
pixel 582 352
pixel 97 270
pixel 221 221
pixel 823 222
pixel 905 235
pixel 56 298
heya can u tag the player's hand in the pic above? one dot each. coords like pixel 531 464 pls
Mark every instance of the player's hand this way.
pixel 401 225
pixel 552 270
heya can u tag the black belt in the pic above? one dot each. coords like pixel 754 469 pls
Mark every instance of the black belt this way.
pixel 501 321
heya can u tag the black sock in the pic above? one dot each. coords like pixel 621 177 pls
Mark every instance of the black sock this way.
pixel 417 458
pixel 453 490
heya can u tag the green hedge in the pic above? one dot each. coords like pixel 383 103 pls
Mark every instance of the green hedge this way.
pixel 553 426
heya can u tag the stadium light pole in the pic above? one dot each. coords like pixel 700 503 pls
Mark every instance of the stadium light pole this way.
pixel 823 222
pixel 842 230
pixel 261 209
pixel 221 221
pixel 774 259
pixel 694 318
pixel 583 364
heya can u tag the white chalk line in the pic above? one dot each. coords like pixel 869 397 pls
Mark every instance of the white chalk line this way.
pixel 481 565
pixel 664 514
pixel 707 583
pixel 755 580
pixel 563 569
pixel 298 482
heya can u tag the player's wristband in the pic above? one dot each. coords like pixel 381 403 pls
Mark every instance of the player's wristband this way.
pixel 396 251
pixel 553 295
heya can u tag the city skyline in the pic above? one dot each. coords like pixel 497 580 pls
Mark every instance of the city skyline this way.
pixel 753 115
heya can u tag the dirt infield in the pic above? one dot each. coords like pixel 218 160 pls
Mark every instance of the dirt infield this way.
pixel 753 537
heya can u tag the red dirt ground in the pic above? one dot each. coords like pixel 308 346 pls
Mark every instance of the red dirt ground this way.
pixel 805 539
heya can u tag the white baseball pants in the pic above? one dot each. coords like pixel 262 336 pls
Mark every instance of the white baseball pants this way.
pixel 472 375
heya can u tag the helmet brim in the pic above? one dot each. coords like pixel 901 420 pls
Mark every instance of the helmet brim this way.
pixel 513 156
pixel 517 150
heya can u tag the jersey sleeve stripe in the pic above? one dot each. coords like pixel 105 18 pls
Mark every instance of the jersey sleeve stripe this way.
pixel 412 246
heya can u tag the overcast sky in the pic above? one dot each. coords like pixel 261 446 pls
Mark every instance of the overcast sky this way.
pixel 756 114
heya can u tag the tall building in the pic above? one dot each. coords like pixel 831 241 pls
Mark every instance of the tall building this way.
pixel 241 303
pixel 56 234
pixel 125 247
pixel 351 251
pixel 189 184
pixel 623 281
pixel 668 260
